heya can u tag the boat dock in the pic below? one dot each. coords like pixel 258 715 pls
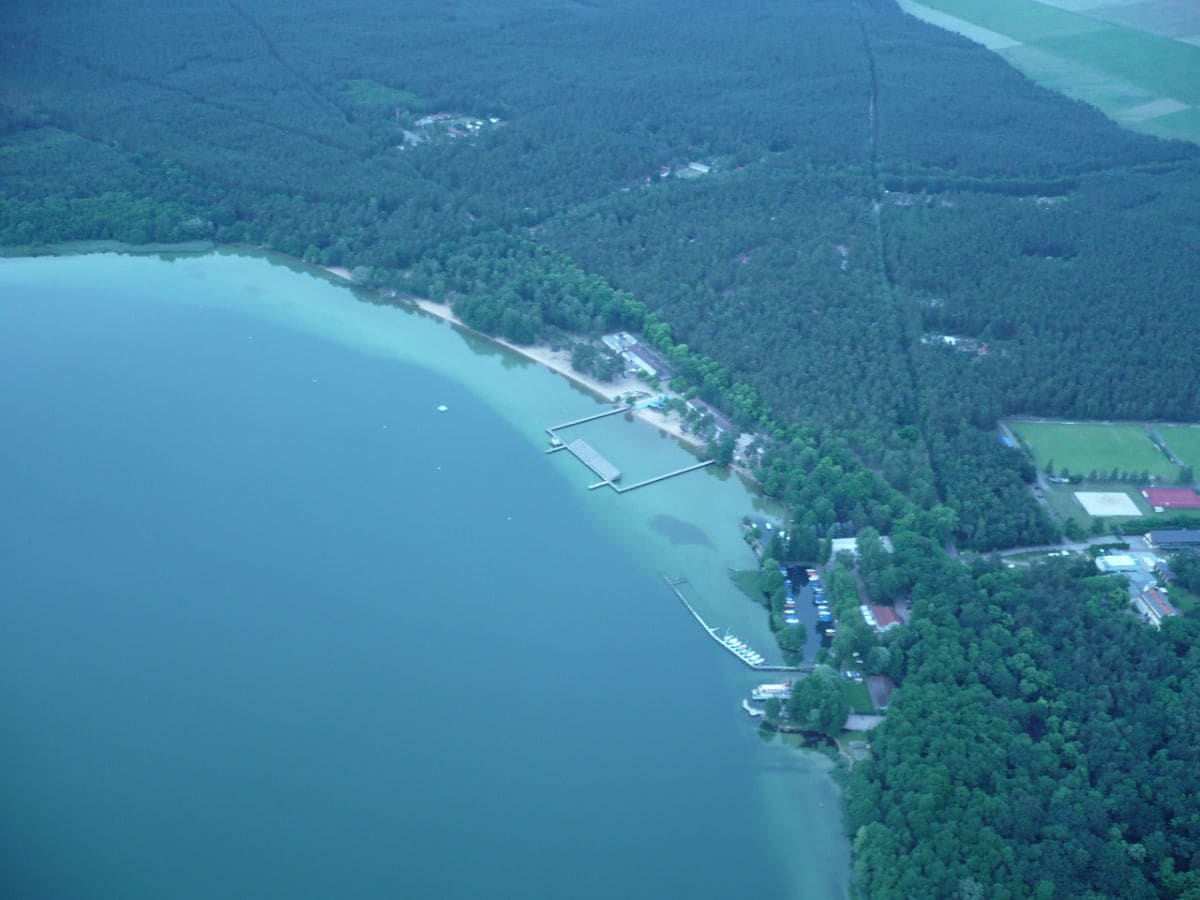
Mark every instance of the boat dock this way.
pixel 586 454
pixel 553 429
pixel 633 487
pixel 608 473
pixel 673 584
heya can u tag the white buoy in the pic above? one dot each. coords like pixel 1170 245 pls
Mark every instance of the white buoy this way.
pixel 443 408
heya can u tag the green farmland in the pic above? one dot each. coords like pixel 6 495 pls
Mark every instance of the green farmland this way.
pixel 1085 448
pixel 1139 63
pixel 1184 441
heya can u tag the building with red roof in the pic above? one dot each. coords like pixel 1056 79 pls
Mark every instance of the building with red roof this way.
pixel 885 617
pixel 1154 606
pixel 1171 498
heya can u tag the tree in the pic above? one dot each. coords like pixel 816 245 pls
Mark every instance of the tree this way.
pixel 818 703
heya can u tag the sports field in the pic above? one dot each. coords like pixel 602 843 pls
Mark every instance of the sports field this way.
pixel 1085 448
pixel 1137 61
pixel 1184 441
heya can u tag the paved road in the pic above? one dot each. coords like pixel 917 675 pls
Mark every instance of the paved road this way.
pixel 1073 545
pixel 855 722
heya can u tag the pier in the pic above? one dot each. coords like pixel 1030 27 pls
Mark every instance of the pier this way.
pixel 609 412
pixel 608 473
pixel 586 454
pixel 673 584
pixel 633 487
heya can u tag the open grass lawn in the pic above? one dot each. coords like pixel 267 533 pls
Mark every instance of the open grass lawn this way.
pixel 1092 447
pixel 1184 441
pixel 1129 59
pixel 858 697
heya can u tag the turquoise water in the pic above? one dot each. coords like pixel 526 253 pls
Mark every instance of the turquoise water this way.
pixel 274 626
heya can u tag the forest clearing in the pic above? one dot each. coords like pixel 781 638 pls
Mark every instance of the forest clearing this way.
pixel 1082 448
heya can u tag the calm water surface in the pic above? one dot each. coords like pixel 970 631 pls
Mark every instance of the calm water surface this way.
pixel 271 625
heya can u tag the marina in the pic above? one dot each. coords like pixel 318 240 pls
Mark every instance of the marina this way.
pixel 742 651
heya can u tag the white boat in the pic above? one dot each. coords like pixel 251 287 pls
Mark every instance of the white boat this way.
pixel 768 691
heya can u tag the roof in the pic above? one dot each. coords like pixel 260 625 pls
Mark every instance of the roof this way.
pixel 1175 536
pixel 723 421
pixel 885 616
pixel 652 356
pixel 1155 600
pixel 1172 498
pixel 1115 562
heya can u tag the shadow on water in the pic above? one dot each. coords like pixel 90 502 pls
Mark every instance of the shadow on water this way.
pixel 678 532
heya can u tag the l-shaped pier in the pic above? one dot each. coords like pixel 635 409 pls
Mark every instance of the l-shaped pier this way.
pixel 608 473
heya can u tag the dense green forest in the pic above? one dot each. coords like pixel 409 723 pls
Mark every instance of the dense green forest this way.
pixel 1042 744
pixel 865 186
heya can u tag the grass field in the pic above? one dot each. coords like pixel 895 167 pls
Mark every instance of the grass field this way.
pixel 1184 441
pixel 1138 62
pixel 858 696
pixel 1061 498
pixel 1092 447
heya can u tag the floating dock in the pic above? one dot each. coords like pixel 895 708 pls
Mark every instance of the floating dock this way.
pixel 586 454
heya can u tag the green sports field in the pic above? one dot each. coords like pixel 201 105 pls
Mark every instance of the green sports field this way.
pixel 1184 441
pixel 1137 61
pixel 1083 448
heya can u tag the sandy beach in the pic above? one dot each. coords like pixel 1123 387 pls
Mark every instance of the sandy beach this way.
pixel 559 361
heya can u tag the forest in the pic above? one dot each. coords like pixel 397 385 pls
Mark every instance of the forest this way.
pixel 864 187
pixel 1041 745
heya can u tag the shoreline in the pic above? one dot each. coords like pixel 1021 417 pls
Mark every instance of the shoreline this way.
pixel 557 361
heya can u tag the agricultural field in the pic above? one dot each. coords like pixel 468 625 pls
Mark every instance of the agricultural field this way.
pixel 1184 441
pixel 1138 62
pixel 1090 447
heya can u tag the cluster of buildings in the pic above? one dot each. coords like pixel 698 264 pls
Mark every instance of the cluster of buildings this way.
pixel 690 170
pixel 639 358
pixel 1147 571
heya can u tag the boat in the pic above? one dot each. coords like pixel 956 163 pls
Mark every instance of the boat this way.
pixel 768 691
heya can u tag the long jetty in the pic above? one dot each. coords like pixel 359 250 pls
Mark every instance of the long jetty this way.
pixel 633 487
pixel 609 412
pixel 673 584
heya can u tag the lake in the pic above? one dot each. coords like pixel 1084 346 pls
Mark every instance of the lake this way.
pixel 274 625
